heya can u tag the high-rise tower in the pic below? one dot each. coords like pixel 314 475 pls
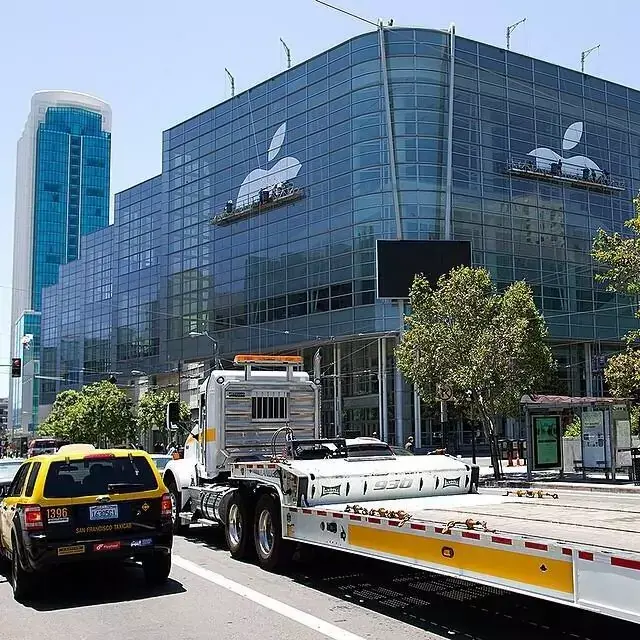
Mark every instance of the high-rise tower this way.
pixel 62 193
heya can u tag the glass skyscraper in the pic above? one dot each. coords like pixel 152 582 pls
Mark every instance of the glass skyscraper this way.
pixel 262 227
pixel 62 194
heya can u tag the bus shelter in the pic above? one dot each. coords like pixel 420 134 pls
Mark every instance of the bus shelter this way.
pixel 601 448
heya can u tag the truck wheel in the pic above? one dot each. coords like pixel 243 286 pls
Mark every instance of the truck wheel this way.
pixel 237 529
pixel 157 568
pixel 21 581
pixel 274 553
pixel 176 507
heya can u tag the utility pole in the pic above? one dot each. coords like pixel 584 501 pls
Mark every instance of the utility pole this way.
pixel 287 52
pixel 584 54
pixel 510 29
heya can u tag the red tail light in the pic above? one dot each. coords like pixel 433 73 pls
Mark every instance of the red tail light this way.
pixel 99 456
pixel 166 506
pixel 32 518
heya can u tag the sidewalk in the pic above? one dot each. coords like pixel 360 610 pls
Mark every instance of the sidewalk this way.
pixel 516 477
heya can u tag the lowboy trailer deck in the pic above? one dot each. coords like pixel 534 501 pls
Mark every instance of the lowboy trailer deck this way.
pixel 571 548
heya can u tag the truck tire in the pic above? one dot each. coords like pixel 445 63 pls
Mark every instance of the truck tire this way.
pixel 237 529
pixel 22 582
pixel 176 507
pixel 273 552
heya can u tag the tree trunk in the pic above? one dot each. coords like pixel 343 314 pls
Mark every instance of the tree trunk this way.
pixel 493 448
pixel 490 435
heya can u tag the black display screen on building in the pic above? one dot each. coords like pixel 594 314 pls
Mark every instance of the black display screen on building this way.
pixel 398 262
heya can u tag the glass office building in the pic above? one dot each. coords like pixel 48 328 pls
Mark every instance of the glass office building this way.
pixel 62 194
pixel 264 222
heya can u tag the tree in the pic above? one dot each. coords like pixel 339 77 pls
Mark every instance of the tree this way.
pixel 152 411
pixel 59 422
pixel 487 347
pixel 620 256
pixel 99 414
pixel 109 411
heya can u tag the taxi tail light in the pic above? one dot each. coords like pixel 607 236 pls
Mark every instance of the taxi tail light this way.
pixel 165 506
pixel 99 456
pixel 33 518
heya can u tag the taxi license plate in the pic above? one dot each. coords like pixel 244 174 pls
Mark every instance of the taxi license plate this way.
pixel 104 512
pixel 71 551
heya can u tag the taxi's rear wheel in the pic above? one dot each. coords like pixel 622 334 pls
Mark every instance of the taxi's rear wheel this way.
pixel 157 568
pixel 21 581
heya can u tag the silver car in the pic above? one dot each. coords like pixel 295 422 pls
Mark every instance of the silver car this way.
pixel 8 469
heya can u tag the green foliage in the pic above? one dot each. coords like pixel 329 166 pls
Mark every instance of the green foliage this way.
pixel 488 347
pixel 152 411
pixel 622 373
pixel 58 423
pixel 635 420
pixel 620 256
pixel 99 414
pixel 574 430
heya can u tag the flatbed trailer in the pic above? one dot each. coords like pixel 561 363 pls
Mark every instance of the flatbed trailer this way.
pixel 255 465
pixel 574 548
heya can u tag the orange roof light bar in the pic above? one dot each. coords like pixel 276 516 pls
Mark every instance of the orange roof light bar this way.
pixel 272 360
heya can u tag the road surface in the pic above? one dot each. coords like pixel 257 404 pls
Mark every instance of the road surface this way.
pixel 325 595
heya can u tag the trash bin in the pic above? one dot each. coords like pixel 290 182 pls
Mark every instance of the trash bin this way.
pixel 635 465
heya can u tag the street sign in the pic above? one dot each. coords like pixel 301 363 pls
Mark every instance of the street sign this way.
pixel 444 392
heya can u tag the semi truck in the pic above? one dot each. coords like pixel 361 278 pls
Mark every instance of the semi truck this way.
pixel 256 466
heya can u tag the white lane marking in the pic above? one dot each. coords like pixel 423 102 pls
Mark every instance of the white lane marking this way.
pixel 306 619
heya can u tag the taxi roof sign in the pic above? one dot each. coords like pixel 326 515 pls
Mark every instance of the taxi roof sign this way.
pixel 267 360
pixel 76 448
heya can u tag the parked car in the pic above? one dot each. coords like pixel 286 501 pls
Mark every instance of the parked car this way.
pixel 40 446
pixel 401 451
pixel 85 505
pixel 161 460
pixel 8 469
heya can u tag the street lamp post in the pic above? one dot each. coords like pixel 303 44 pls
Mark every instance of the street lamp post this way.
pixel 205 334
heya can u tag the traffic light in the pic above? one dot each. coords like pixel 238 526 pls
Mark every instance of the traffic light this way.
pixel 16 367
pixel 173 414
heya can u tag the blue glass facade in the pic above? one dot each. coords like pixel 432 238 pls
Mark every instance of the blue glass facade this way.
pixel 302 274
pixel 71 189
pixel 107 315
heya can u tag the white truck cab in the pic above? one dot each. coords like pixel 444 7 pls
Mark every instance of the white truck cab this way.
pixel 240 412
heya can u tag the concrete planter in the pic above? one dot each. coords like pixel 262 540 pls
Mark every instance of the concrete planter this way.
pixel 571 455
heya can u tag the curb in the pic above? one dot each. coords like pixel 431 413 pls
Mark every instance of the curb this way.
pixel 566 486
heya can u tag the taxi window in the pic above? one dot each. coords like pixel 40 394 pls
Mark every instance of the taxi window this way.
pixel 15 490
pixel 32 479
pixel 99 476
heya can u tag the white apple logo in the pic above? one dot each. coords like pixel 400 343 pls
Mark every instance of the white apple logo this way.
pixel 285 169
pixel 570 166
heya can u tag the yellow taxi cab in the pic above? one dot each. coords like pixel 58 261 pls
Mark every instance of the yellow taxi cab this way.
pixel 83 504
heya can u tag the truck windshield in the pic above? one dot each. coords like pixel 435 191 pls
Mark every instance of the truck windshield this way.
pixel 79 478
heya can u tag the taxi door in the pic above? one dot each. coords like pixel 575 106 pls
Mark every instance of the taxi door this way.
pixel 8 505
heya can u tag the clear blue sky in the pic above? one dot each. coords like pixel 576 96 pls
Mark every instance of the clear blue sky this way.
pixel 158 62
